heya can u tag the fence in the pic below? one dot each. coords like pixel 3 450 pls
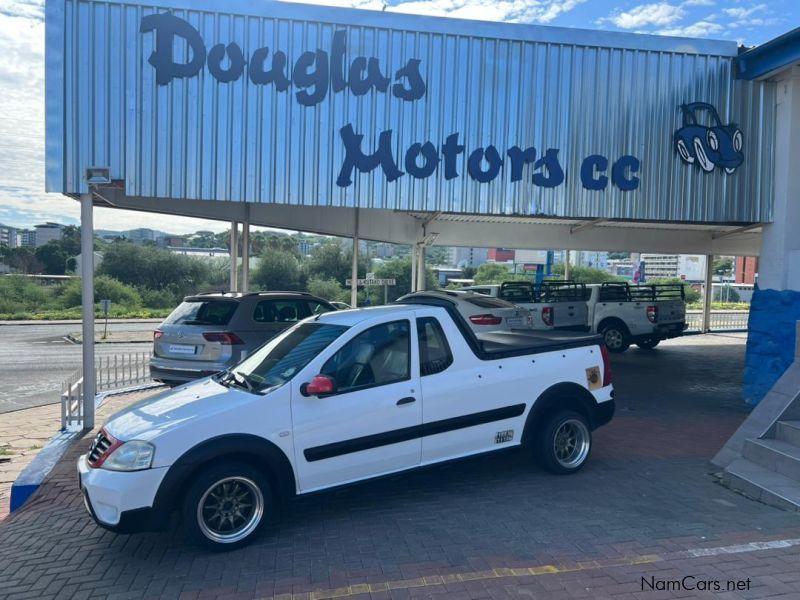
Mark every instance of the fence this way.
pixel 111 372
pixel 720 320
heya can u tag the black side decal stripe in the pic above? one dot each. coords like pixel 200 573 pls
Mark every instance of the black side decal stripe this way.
pixel 411 433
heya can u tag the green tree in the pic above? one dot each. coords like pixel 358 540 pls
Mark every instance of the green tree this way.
pixel 52 257
pixel 619 255
pixel 492 273
pixel 71 240
pixel 437 255
pixel 330 260
pixel 723 265
pixel 726 293
pixel 469 272
pixel 327 289
pixel 585 274
pixel 153 268
pixel 277 270
pixel 105 287
pixel 400 270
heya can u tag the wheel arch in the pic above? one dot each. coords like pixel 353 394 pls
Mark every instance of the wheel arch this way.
pixel 616 321
pixel 561 396
pixel 251 449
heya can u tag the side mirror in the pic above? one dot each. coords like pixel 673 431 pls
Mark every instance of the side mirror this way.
pixel 320 385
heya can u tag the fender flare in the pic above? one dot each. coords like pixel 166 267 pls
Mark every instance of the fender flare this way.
pixel 257 451
pixel 564 396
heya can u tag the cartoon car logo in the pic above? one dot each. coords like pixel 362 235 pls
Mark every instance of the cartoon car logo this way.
pixel 711 146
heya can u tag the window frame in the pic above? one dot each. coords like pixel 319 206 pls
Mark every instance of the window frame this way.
pixel 360 388
pixel 437 325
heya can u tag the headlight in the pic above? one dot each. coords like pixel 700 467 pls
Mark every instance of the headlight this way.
pixel 130 456
pixel 712 140
pixel 737 141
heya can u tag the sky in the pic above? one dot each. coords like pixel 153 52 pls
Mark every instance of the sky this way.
pixel 24 203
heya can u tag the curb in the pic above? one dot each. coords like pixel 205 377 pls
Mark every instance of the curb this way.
pixel 75 321
pixel 77 339
pixel 32 476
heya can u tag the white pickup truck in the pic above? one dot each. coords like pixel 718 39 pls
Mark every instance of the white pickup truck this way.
pixel 336 399
pixel 553 304
pixel 642 314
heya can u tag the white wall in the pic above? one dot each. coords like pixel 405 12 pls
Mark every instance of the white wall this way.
pixel 779 264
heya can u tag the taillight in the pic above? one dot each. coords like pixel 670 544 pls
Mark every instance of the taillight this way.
pixel 547 315
pixel 486 320
pixel 606 365
pixel 226 338
pixel 652 313
pixel 157 334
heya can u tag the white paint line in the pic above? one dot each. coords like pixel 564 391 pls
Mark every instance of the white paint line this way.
pixel 738 549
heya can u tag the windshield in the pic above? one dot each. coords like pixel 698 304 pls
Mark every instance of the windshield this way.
pixel 202 312
pixel 280 359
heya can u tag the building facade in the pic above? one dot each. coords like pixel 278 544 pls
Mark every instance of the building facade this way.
pixel 746 269
pixel 689 267
pixel 8 236
pixel 48 232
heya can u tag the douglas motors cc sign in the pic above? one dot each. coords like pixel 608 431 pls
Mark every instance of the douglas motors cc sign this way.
pixel 317 73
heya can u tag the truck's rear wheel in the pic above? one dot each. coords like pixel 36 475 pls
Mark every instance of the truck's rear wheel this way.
pixel 615 337
pixel 648 344
pixel 226 505
pixel 564 443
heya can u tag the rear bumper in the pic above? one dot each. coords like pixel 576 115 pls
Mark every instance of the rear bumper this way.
pixel 170 370
pixel 671 330
pixel 603 413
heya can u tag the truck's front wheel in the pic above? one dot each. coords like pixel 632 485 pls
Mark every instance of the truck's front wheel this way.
pixel 564 442
pixel 226 505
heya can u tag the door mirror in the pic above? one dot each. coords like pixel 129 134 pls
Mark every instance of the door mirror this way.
pixel 320 385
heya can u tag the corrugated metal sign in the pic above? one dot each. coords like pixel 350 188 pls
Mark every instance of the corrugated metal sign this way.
pixel 294 104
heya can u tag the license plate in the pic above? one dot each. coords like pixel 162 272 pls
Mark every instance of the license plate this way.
pixel 182 349
pixel 515 322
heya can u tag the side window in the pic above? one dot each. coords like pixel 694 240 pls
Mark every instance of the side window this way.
pixel 281 311
pixel 377 356
pixel 434 351
pixel 317 308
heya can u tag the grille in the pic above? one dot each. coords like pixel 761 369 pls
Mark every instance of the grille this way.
pixel 100 444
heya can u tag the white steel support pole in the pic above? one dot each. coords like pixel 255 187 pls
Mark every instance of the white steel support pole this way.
pixel 234 280
pixel 421 272
pixel 245 255
pixel 354 269
pixel 567 270
pixel 708 294
pixel 87 308
pixel 414 267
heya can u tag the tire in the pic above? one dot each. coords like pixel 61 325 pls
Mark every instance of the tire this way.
pixel 702 158
pixel 648 344
pixel 564 442
pixel 206 519
pixel 615 337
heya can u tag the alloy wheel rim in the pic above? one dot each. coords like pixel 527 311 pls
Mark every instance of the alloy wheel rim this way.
pixel 613 338
pixel 571 443
pixel 230 509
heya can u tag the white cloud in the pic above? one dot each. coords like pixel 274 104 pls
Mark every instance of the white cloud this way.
pixel 699 29
pixel 742 13
pixel 660 14
pixel 525 11
pixel 698 3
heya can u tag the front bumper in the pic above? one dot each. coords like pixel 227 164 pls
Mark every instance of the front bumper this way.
pixel 122 501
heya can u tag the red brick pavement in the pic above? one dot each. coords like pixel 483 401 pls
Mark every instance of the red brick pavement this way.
pixel 493 527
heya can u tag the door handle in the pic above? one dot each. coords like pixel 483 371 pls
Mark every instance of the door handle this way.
pixel 406 400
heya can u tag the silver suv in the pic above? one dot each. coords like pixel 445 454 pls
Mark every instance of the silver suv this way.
pixel 208 333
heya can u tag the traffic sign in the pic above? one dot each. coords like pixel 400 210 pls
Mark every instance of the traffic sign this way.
pixel 371 282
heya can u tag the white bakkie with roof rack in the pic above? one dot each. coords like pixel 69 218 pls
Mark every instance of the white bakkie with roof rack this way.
pixel 336 399
pixel 636 314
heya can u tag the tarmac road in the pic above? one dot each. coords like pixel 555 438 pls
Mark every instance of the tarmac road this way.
pixel 36 359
